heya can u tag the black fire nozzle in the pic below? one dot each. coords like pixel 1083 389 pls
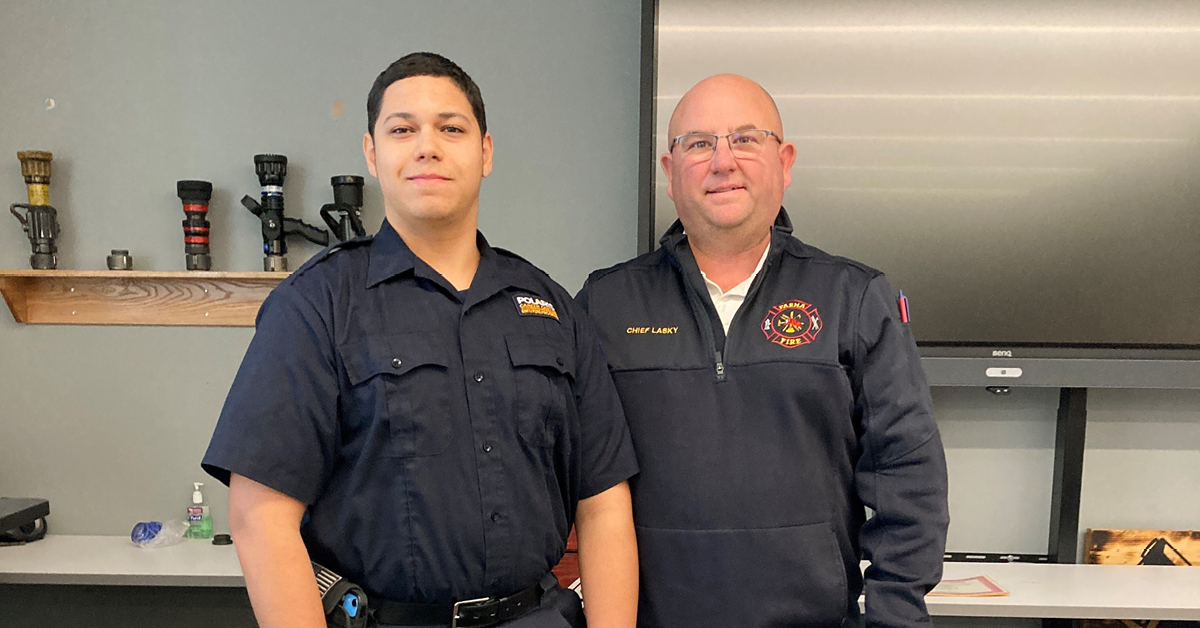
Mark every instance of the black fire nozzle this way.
pixel 344 214
pixel 271 170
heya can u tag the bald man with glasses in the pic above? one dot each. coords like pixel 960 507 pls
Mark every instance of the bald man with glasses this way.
pixel 772 391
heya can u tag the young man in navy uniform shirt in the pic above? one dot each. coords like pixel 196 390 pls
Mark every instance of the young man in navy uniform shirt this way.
pixel 772 390
pixel 424 414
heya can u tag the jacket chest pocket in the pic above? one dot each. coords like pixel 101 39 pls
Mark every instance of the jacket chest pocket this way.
pixel 402 383
pixel 542 371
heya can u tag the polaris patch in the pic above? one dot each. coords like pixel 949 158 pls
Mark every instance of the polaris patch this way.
pixel 529 305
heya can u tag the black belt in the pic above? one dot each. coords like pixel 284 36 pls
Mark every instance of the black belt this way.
pixel 478 613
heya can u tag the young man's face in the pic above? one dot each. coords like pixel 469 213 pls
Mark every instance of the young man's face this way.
pixel 427 152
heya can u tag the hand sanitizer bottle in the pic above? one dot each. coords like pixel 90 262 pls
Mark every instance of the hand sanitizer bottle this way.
pixel 199 520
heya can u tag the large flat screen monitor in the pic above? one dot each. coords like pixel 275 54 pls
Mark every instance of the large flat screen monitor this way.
pixel 1028 173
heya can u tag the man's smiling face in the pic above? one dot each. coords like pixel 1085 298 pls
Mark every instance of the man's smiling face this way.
pixel 725 192
pixel 427 152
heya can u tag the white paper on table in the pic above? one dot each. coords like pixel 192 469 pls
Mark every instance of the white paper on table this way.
pixel 979 586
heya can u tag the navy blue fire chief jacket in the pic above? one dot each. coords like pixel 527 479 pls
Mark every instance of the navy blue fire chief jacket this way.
pixel 758 450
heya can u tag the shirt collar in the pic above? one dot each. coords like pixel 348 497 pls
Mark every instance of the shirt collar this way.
pixel 390 257
pixel 499 269
pixel 742 288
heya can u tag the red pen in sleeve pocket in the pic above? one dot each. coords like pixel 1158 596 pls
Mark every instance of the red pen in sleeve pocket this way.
pixel 903 307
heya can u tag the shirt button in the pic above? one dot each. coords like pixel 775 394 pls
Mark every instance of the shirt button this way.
pixel 479 377
pixel 559 360
pixel 495 516
pixel 396 363
pixel 495 582
pixel 487 447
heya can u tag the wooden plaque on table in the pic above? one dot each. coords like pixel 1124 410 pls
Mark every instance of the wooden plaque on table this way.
pixel 1141 547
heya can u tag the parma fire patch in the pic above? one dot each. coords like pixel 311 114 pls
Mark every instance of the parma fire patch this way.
pixel 529 305
pixel 792 323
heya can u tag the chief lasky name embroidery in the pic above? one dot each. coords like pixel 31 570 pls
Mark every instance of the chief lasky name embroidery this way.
pixel 529 305
pixel 792 323
pixel 652 330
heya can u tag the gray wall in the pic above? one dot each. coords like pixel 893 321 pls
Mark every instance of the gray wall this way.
pixel 109 423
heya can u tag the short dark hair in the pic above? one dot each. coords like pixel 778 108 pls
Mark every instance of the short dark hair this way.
pixel 424 64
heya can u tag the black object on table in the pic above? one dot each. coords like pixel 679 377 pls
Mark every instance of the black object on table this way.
pixel 23 519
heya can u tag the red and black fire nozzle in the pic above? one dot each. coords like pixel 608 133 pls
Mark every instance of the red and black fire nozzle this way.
pixel 195 196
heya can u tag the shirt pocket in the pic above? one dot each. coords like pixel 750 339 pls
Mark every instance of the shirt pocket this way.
pixel 544 379
pixel 403 382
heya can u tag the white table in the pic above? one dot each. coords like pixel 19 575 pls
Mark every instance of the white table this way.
pixel 1077 591
pixel 1035 590
pixel 115 560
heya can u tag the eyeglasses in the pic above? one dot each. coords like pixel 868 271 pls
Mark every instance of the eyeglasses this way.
pixel 701 146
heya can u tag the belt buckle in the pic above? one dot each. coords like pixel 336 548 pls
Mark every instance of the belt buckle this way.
pixel 458 605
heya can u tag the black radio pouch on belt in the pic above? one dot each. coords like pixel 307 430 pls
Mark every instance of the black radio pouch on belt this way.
pixel 344 603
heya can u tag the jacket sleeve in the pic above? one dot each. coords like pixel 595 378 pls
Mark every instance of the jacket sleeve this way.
pixel 901 471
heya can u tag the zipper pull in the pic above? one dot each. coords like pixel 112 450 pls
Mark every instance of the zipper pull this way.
pixel 720 367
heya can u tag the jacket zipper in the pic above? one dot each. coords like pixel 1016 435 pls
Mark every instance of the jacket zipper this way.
pixel 733 323
pixel 706 317
pixel 701 312
pixel 706 326
pixel 754 285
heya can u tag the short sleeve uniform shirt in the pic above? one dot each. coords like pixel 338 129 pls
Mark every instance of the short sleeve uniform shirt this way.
pixel 441 440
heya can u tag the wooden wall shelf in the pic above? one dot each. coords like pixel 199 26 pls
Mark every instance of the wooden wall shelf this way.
pixel 116 297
